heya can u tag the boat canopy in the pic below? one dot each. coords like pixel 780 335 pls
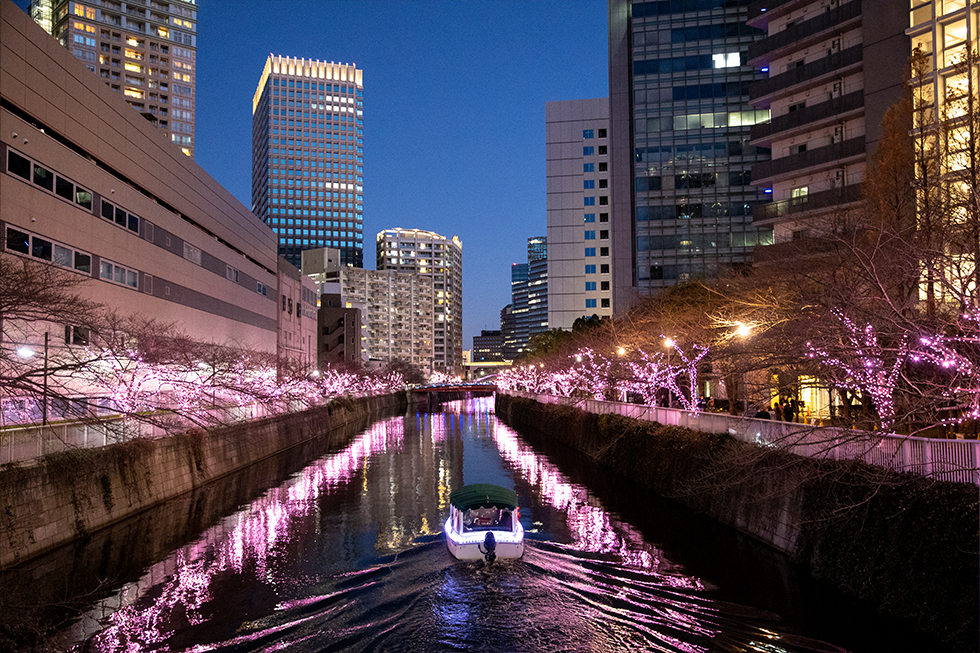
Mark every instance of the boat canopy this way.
pixel 484 495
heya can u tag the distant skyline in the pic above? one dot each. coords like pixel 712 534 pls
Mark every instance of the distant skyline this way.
pixel 454 104
pixel 454 99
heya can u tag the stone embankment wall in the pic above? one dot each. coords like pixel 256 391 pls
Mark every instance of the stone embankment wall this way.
pixel 72 494
pixel 903 543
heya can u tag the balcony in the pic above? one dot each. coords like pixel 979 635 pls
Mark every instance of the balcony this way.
pixel 807 117
pixel 761 7
pixel 777 211
pixel 794 250
pixel 834 64
pixel 806 33
pixel 835 153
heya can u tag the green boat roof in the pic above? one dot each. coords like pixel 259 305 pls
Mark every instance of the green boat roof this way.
pixel 483 495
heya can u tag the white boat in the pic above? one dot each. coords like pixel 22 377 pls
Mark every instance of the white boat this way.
pixel 484 522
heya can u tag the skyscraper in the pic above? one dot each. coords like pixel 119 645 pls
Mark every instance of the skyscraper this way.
pixel 679 137
pixel 308 156
pixel 146 51
pixel 428 254
pixel 579 232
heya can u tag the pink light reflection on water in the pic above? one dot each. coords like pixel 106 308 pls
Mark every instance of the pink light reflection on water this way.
pixel 592 528
pixel 183 581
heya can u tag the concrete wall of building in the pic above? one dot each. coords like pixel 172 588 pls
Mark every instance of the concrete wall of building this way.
pixel 69 495
pixel 203 259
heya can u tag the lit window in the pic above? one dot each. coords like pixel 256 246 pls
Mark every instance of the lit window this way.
pixel 726 60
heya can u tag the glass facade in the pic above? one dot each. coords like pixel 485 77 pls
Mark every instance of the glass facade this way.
pixel 308 157
pixel 691 156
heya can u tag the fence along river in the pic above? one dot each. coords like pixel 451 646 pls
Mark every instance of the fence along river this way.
pixel 348 554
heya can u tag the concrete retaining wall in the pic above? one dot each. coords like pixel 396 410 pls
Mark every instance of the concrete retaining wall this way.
pixel 71 494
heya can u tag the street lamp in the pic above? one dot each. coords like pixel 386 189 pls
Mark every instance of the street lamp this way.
pixel 669 343
pixel 743 330
pixel 26 352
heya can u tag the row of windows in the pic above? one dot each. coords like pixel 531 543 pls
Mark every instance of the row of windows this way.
pixel 591 268
pixel 689 211
pixel 709 32
pixel 41 176
pixel 109 271
pixel 699 242
pixel 590 133
pixel 342 88
pixel 29 244
pixel 708 91
pixel 696 151
pixel 590 167
pixel 693 180
pixel 603 200
pixel 703 121
pixel 603 217
pixel 590 150
pixel 591 303
pixel 689 62
pixel 59 254
pixel 665 7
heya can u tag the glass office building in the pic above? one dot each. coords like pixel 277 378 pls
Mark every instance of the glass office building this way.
pixel 681 156
pixel 308 156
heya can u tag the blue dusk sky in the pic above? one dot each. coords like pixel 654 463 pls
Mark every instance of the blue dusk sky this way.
pixel 454 105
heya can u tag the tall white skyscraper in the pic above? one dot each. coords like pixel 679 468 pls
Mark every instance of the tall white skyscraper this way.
pixel 308 156
pixel 145 50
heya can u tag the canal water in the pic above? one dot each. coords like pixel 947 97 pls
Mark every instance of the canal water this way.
pixel 347 554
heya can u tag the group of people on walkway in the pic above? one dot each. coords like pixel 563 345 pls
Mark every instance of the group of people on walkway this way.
pixel 783 410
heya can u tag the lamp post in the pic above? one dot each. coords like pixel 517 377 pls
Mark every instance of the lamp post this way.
pixel 743 332
pixel 669 343
pixel 26 352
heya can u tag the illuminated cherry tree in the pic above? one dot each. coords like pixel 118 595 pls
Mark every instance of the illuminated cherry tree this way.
pixel 957 362
pixel 863 365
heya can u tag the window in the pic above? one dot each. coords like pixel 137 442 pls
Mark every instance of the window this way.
pixel 602 133
pixel 231 273
pixel 590 303
pixel 725 60
pixel 603 166
pixel 589 201
pixel 602 150
pixel 590 235
pixel 589 285
pixel 588 151
pixel 604 234
pixel 18 165
pixel 603 200
pixel 603 251
pixel 605 302
pixel 115 273
pixel 76 335
pixel 590 217
pixel 192 254
pixel 590 269
pixel 44 249
pixel 604 268
pixel 588 183
pixel 588 167
pixel 603 217
pixel 589 251
pixel 43 177
pixel 604 285
pixel 603 183
pixel 588 133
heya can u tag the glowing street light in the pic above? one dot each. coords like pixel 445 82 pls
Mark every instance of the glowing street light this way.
pixel 669 344
pixel 743 331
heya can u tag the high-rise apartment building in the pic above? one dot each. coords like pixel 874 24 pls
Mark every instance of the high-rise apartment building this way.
pixel 428 254
pixel 680 149
pixel 834 68
pixel 579 261
pixel 145 50
pixel 396 308
pixel 308 156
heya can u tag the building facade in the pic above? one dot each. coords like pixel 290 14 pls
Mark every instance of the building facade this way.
pixel 579 210
pixel 680 149
pixel 487 347
pixel 341 335
pixel 834 68
pixel 145 51
pixel 73 195
pixel 308 156
pixel 397 310
pixel 537 285
pixel 297 326
pixel 428 254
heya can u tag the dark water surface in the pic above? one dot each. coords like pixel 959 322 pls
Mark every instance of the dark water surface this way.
pixel 348 555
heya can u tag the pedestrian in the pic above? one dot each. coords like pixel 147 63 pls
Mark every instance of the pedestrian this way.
pixel 762 414
pixel 778 410
pixel 789 412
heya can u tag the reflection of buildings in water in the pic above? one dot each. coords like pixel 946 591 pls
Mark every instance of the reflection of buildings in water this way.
pixel 254 537
pixel 592 528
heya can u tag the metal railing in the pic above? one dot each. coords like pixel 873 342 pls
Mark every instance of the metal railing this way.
pixel 956 461
pixel 23 443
